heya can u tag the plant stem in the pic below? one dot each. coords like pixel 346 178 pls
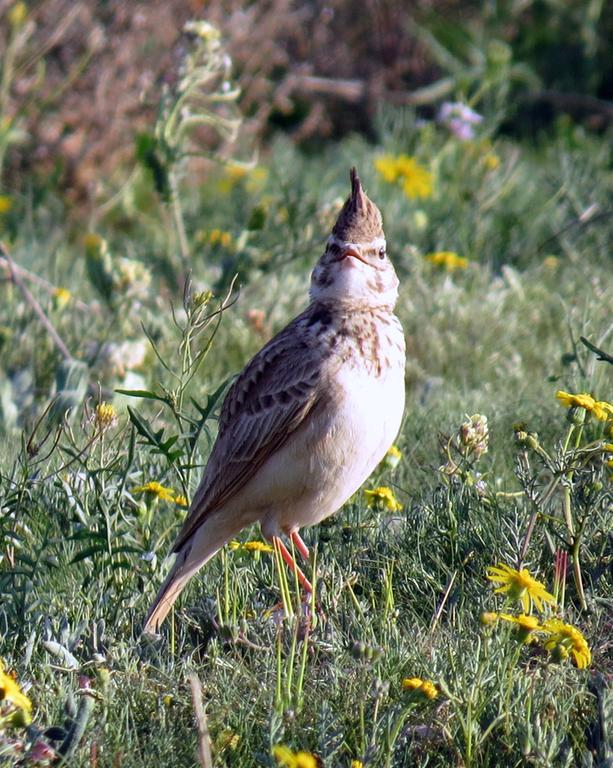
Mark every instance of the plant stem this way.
pixel 575 553
pixel 177 212
pixel 568 517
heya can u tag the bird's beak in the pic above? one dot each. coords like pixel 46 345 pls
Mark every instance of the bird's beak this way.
pixel 353 252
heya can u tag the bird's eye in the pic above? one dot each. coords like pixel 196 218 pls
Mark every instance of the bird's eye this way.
pixel 382 252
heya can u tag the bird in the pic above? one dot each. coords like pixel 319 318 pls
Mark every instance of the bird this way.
pixel 311 415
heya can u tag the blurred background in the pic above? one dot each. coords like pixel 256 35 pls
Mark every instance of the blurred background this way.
pixel 81 80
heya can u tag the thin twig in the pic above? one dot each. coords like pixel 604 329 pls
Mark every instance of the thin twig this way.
pixel 16 280
pixel 204 740
pixel 40 281
pixel 524 547
pixel 604 356
pixel 439 611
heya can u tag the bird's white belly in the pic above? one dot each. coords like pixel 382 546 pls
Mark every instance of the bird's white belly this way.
pixel 329 458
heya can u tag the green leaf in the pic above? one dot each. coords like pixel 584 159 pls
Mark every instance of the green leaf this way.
pixel 143 393
pixel 144 428
pixel 88 552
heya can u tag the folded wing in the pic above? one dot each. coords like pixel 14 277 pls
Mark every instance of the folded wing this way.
pixel 269 400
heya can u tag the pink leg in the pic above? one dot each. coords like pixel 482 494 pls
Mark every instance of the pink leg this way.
pixel 291 563
pixel 300 545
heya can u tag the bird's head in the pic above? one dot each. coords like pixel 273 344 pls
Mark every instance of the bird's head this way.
pixel 355 266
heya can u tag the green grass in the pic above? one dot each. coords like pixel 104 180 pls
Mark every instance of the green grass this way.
pixel 399 594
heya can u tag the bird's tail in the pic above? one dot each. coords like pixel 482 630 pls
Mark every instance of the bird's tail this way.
pixel 206 540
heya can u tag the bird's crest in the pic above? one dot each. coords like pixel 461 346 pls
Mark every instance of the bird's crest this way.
pixel 359 220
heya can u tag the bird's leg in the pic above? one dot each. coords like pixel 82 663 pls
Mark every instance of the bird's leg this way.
pixel 300 545
pixel 291 563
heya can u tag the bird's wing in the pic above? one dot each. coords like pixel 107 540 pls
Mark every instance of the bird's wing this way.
pixel 270 399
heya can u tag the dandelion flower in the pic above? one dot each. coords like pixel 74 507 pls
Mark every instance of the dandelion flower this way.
pixel 94 242
pixel 602 410
pixel 219 237
pixel 11 695
pixel 228 739
pixel 392 457
pixel 257 546
pixel 251 546
pixel 17 14
pixel 181 500
pixel 62 297
pixel 491 161
pixel 415 180
pixel 424 687
pixel 105 416
pixel 489 618
pixel 564 639
pixel 519 585
pixel 383 496
pixel 387 168
pixel 448 260
pixel 525 625
pixel 582 400
pixel 156 489
pixel 6 203
pixel 290 759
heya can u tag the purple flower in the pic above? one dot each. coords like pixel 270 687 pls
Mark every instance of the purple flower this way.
pixel 459 118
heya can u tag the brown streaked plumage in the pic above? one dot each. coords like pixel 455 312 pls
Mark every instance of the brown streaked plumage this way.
pixel 313 413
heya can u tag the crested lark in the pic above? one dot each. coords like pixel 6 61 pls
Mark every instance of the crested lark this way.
pixel 312 414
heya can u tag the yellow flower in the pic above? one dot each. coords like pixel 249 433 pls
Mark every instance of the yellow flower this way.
pixel 228 740
pixel 602 410
pixel 357 764
pixel 488 618
pixel 257 546
pixel 215 237
pixel 449 260
pixel 576 401
pixel 11 695
pixel 416 181
pixel 528 622
pixel 551 262
pixel 234 174
pixel 526 625
pixel 218 237
pixel 383 496
pixel 424 687
pixel 93 242
pixel 105 416
pixel 155 488
pixel 17 14
pixel 387 168
pixel 392 457
pixel 491 161
pixel 251 546
pixel 181 500
pixel 62 297
pixel 565 639
pixel 520 586
pixel 6 203
pixel 286 757
pixel 256 178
